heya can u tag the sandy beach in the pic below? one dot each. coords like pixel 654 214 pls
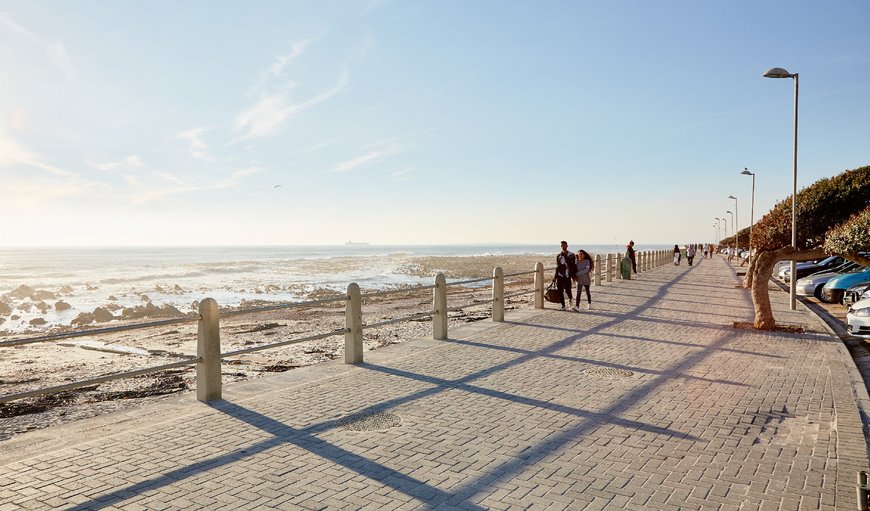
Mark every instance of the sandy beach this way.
pixel 48 364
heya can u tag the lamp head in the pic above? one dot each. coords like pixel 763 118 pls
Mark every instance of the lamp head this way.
pixel 746 172
pixel 777 72
pixel 732 197
pixel 730 213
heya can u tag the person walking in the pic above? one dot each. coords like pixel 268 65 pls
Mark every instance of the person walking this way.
pixel 629 253
pixel 584 268
pixel 690 253
pixel 566 268
pixel 677 255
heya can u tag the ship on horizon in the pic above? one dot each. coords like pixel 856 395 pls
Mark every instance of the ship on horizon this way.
pixel 356 242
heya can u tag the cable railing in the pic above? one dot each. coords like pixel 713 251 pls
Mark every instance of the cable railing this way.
pixel 209 356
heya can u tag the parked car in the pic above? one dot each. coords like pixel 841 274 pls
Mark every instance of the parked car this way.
pixel 854 293
pixel 833 290
pixel 858 318
pixel 811 285
pixel 808 268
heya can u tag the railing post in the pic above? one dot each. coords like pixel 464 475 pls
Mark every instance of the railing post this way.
pixel 439 303
pixel 639 257
pixel 646 261
pixel 539 285
pixel 609 268
pixel 497 294
pixel 618 265
pixel 353 336
pixel 597 269
pixel 208 349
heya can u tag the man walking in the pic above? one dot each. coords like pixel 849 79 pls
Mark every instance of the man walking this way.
pixel 566 269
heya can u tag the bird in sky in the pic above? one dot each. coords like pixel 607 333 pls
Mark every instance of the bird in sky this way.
pixel 276 186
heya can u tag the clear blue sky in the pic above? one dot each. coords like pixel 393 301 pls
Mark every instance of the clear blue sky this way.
pixel 307 122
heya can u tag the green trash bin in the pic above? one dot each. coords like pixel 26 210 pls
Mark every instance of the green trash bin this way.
pixel 625 268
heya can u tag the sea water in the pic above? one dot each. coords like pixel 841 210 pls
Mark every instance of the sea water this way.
pixel 87 278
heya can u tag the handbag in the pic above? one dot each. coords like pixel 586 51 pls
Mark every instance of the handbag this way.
pixel 552 294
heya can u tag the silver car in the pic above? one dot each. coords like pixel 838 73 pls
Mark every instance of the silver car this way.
pixel 812 284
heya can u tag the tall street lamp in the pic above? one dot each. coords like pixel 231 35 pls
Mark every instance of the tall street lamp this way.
pixel 718 230
pixel 736 227
pixel 778 72
pixel 751 211
pixel 732 224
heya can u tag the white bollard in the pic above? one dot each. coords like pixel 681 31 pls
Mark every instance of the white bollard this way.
pixel 609 267
pixel 208 349
pixel 539 285
pixel 439 304
pixel 353 337
pixel 497 294
pixel 597 280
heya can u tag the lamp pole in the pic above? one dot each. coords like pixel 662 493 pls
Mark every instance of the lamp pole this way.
pixel 778 72
pixel 732 224
pixel 718 230
pixel 737 227
pixel 751 211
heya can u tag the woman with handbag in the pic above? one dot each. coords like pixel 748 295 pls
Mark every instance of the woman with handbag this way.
pixel 584 267
pixel 566 267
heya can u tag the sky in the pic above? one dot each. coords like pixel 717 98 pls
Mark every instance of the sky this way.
pixel 210 122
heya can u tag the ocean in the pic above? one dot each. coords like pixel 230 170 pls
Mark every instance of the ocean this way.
pixel 33 280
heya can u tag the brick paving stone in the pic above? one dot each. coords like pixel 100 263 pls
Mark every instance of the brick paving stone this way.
pixel 692 414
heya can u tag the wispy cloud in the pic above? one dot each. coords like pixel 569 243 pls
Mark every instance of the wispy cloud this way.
pixel 14 153
pixel 265 116
pixel 406 174
pixel 281 61
pixel 236 177
pixel 347 166
pixel 198 148
pixel 55 50
pixel 130 161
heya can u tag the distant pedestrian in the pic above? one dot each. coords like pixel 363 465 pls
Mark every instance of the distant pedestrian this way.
pixel 584 267
pixel 677 255
pixel 706 251
pixel 629 253
pixel 730 253
pixel 566 268
pixel 690 253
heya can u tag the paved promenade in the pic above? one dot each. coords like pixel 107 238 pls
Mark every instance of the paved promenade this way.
pixel 649 401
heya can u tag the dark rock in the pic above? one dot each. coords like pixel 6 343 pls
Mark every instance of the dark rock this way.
pixel 5 309
pixel 38 321
pixel 62 306
pixel 102 315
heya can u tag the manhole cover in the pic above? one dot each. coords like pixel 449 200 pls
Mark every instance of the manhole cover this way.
pixel 607 372
pixel 374 421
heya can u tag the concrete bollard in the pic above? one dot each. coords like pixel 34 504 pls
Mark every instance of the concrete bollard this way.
pixel 208 349
pixel 609 267
pixel 439 304
pixel 497 294
pixel 353 337
pixel 597 280
pixel 539 285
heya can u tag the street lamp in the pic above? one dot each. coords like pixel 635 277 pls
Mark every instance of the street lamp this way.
pixel 778 72
pixel 751 211
pixel 737 227
pixel 732 224
pixel 718 230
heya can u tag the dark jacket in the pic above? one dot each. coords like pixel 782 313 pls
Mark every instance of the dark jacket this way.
pixel 566 264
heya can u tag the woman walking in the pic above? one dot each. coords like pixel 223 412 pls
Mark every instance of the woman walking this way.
pixel 584 268
pixel 677 255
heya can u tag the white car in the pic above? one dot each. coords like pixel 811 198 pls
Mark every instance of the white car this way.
pixel 858 318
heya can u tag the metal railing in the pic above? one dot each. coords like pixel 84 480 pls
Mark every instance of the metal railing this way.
pixel 209 356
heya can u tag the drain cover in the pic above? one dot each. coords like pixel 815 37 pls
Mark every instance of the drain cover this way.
pixel 372 421
pixel 607 372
